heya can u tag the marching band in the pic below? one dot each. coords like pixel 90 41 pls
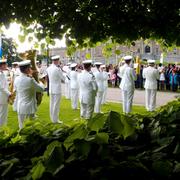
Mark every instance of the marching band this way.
pixel 86 86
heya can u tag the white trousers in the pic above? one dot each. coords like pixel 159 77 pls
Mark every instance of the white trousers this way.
pixel 86 110
pixel 22 117
pixel 3 114
pixel 127 97
pixel 67 90
pixel 98 102
pixel 104 96
pixel 74 98
pixel 150 98
pixel 54 107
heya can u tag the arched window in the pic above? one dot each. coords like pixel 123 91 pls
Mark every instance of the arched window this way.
pixel 147 49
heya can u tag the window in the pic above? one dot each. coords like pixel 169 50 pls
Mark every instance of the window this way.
pixel 147 49
pixel 157 51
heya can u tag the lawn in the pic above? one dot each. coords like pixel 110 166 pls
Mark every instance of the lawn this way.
pixel 67 115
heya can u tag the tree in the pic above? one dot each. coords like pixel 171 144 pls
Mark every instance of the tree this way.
pixel 9 50
pixel 90 21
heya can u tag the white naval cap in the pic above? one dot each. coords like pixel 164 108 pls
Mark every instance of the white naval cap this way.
pixel 14 63
pixel 24 63
pixel 3 61
pixel 89 61
pixel 103 66
pixel 98 63
pixel 73 65
pixel 151 61
pixel 54 58
pixel 127 58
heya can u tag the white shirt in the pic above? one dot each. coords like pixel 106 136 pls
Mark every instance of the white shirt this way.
pixel 55 76
pixel 4 92
pixel 26 88
pixel 128 76
pixel 74 79
pixel 99 80
pixel 106 77
pixel 87 87
pixel 151 75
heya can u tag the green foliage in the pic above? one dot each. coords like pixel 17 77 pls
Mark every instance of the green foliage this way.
pixel 88 56
pixel 37 171
pixel 21 38
pixel 108 146
pixel 97 20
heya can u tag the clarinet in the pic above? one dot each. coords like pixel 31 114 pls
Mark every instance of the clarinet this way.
pixel 63 71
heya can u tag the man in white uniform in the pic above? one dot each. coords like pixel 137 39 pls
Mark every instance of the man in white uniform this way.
pixel 151 75
pixel 55 76
pixel 127 85
pixel 100 83
pixel 106 78
pixel 67 86
pixel 15 72
pixel 4 93
pixel 74 86
pixel 26 87
pixel 87 88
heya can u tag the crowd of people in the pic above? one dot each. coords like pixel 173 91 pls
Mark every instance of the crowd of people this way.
pixel 85 84
pixel 169 77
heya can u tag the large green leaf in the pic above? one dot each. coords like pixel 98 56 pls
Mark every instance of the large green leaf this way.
pixel 96 123
pixel 115 124
pixel 82 147
pixel 162 168
pixel 38 170
pixel 129 126
pixel 21 38
pixel 8 164
pixel 80 132
pixel 102 138
pixel 54 157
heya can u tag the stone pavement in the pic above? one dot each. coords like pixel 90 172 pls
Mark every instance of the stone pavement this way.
pixel 114 95
pixel 162 98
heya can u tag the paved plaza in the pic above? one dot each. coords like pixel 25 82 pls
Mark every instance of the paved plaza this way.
pixel 114 95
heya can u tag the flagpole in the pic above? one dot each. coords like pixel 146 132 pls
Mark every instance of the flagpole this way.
pixel 0 46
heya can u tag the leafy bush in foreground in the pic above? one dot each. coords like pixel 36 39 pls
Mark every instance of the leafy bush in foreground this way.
pixel 108 146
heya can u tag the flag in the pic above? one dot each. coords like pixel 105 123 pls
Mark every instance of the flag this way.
pixel 137 65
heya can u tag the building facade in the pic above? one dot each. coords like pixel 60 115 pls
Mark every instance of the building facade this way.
pixel 145 50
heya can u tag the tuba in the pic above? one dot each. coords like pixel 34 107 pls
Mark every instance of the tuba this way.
pixel 31 55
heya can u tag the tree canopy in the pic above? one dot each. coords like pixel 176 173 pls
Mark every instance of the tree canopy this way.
pixel 91 21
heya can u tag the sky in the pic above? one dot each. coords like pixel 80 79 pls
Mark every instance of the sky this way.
pixel 14 30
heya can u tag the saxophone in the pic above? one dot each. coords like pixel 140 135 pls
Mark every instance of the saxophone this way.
pixel 31 55
pixel 11 89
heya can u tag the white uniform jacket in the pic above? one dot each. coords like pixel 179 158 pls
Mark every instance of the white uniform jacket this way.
pixel 99 80
pixel 55 76
pixel 151 75
pixel 87 87
pixel 106 77
pixel 74 80
pixel 128 76
pixel 4 92
pixel 26 88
